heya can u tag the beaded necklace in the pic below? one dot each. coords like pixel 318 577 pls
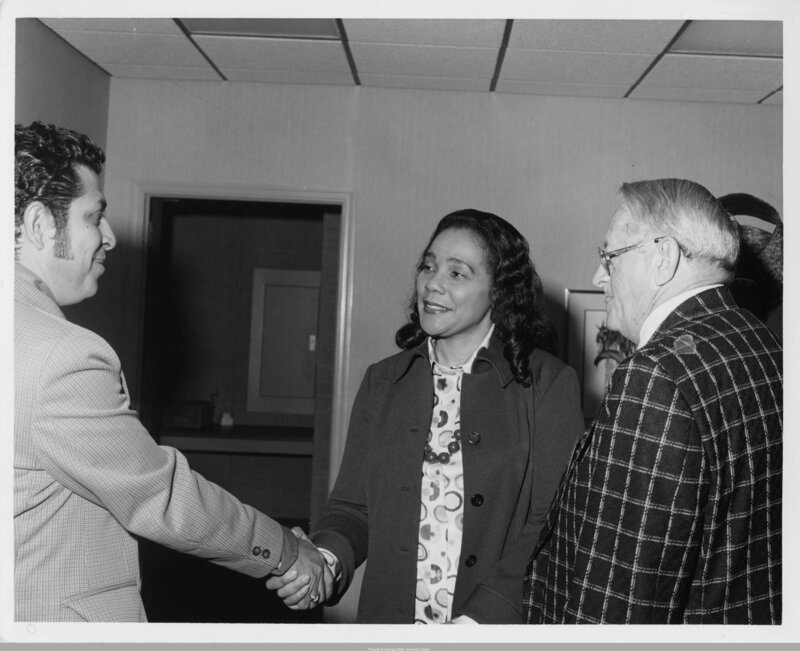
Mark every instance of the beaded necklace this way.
pixel 444 374
pixel 444 457
pixel 440 370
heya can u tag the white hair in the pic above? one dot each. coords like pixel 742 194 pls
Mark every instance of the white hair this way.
pixel 689 213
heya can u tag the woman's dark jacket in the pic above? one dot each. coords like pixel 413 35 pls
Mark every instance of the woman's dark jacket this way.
pixel 516 444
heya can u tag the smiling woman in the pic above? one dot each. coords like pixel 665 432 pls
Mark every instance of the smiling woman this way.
pixel 453 286
pixel 455 444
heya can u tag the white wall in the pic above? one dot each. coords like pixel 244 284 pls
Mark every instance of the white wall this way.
pixel 550 165
pixel 58 85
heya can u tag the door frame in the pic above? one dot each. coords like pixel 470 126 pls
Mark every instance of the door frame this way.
pixel 340 415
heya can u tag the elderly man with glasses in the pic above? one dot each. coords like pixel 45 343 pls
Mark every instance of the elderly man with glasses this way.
pixel 670 510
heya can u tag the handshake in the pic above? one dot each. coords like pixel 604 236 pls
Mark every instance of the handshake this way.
pixel 309 581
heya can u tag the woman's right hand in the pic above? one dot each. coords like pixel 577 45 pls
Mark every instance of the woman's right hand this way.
pixel 297 588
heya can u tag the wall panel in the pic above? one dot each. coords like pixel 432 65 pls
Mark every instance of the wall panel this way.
pixel 551 165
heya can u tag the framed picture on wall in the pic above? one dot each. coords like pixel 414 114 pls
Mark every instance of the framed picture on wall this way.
pixel 593 350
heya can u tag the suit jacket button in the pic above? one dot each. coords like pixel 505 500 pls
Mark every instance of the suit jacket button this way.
pixel 474 438
pixel 256 551
pixel 471 560
pixel 265 553
pixel 476 499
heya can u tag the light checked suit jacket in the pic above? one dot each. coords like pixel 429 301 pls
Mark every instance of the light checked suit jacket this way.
pixel 670 510
pixel 87 476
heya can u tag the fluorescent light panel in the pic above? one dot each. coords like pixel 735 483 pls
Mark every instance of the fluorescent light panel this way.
pixel 300 28
pixel 732 38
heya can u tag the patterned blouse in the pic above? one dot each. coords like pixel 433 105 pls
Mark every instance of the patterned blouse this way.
pixel 442 504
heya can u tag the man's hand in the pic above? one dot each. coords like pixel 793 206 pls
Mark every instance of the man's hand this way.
pixel 308 581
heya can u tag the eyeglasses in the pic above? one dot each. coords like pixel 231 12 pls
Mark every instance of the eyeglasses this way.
pixel 607 256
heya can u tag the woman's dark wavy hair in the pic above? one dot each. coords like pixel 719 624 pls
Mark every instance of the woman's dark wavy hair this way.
pixel 516 293
pixel 46 158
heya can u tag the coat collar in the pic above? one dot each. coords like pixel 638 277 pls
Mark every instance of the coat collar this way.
pixel 711 301
pixel 487 359
pixel 31 290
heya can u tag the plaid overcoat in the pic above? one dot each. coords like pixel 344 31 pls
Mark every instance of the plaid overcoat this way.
pixel 670 509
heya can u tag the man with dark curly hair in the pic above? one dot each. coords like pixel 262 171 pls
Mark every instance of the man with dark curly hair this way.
pixel 87 475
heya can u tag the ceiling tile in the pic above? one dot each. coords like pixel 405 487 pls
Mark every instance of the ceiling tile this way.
pixel 133 25
pixel 135 49
pixel 624 36
pixel 746 37
pixel 427 83
pixel 289 76
pixel 558 89
pixel 424 60
pixel 574 67
pixel 161 72
pixel 274 54
pixel 470 33
pixel 711 72
pixel 581 58
pixel 677 94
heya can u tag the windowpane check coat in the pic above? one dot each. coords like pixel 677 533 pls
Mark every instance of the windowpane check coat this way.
pixel 670 511
pixel 516 442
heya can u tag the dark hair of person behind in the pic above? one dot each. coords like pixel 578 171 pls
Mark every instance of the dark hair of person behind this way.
pixel 758 282
pixel 45 161
pixel 516 294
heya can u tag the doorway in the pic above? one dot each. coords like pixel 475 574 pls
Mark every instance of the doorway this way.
pixel 205 258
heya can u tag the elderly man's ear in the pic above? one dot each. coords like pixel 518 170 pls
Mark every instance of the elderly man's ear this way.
pixel 666 261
